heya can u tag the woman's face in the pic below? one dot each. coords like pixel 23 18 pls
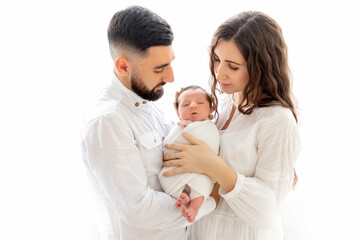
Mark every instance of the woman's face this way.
pixel 230 67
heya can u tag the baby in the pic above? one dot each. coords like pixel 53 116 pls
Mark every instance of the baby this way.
pixel 194 108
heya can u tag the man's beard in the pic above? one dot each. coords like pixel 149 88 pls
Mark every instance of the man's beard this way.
pixel 138 86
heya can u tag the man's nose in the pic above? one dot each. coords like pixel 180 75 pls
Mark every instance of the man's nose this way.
pixel 169 75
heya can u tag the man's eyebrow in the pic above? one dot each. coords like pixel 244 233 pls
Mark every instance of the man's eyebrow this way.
pixel 163 65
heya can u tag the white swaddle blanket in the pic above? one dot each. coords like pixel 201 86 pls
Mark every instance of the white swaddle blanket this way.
pixel 205 131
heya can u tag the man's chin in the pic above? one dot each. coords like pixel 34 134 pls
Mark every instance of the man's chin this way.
pixel 156 95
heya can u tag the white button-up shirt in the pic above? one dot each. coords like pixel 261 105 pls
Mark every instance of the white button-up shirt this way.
pixel 122 150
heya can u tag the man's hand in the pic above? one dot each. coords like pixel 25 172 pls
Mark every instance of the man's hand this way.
pixel 215 193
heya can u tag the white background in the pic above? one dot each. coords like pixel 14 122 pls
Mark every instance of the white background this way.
pixel 54 60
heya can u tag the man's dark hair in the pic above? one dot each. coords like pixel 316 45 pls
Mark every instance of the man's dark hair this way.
pixel 138 28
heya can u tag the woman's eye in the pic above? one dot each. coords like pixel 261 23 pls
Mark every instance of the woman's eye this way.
pixel 233 68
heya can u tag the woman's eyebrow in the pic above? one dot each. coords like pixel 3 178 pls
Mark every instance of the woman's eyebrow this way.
pixel 229 61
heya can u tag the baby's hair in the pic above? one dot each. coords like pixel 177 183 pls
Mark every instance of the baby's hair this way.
pixel 193 87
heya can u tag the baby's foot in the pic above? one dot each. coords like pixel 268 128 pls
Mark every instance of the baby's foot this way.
pixel 188 213
pixel 184 199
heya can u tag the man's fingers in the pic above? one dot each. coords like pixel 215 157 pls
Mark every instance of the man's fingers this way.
pixel 177 94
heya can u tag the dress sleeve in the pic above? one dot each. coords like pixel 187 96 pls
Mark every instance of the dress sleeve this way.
pixel 115 165
pixel 256 199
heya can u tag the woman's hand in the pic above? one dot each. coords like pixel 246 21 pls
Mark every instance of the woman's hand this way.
pixel 199 158
pixel 196 157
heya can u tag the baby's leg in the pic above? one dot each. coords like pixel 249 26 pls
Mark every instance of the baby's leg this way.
pixel 183 200
pixel 192 209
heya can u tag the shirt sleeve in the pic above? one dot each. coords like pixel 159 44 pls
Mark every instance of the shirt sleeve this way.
pixel 256 199
pixel 115 166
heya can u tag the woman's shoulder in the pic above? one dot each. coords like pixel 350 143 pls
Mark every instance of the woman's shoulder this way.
pixel 275 113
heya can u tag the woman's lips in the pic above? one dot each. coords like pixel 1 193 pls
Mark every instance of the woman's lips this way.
pixel 224 84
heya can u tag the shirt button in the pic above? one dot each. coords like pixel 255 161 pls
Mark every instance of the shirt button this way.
pixel 144 102
pixel 137 104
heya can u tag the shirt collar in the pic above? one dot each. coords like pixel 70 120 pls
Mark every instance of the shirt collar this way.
pixel 233 102
pixel 132 98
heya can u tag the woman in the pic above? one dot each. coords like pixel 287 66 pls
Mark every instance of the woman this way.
pixel 259 136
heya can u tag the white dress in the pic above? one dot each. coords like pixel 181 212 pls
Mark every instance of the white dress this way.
pixel 199 184
pixel 262 148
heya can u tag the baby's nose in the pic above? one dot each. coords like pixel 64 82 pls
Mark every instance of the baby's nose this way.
pixel 193 105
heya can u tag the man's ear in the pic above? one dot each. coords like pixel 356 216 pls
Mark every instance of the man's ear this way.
pixel 122 66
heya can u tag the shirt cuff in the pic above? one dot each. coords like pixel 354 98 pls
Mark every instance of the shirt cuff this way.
pixel 238 187
pixel 207 207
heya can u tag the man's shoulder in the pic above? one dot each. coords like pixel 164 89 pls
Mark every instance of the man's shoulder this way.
pixel 108 104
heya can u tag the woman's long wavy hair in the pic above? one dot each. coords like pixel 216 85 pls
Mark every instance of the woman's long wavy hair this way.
pixel 259 39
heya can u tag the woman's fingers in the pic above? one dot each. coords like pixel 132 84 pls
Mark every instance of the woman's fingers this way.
pixel 173 155
pixel 175 146
pixel 173 172
pixel 171 163
pixel 193 140
pixel 182 147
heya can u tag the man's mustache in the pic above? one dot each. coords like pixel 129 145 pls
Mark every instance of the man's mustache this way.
pixel 160 84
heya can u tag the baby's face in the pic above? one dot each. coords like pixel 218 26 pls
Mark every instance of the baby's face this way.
pixel 193 105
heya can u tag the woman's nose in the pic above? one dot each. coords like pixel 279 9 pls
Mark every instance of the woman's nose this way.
pixel 220 72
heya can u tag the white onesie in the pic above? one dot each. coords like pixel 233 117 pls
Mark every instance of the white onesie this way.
pixel 199 184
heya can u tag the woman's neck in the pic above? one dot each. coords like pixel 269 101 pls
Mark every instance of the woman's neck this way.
pixel 237 98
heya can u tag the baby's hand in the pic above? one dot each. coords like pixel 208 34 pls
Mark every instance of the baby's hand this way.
pixel 184 123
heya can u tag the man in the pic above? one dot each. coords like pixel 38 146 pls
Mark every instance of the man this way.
pixel 122 137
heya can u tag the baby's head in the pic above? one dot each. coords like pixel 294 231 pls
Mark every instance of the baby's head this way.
pixel 194 103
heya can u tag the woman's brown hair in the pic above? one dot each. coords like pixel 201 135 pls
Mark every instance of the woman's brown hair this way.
pixel 259 39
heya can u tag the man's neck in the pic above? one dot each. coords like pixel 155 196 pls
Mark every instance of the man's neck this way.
pixel 123 80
